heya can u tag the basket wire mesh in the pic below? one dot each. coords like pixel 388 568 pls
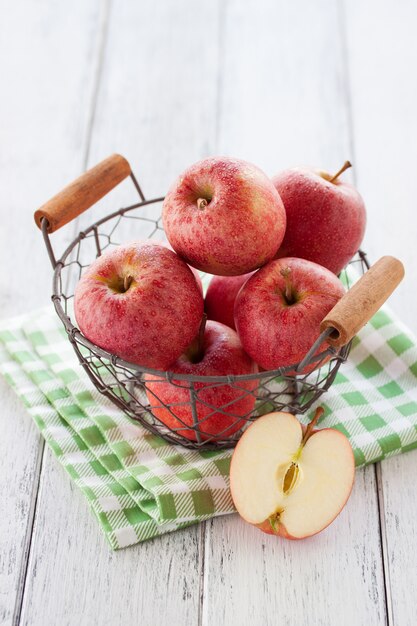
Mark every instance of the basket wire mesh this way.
pixel 138 390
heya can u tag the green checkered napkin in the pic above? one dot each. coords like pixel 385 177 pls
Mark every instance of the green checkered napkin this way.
pixel 138 485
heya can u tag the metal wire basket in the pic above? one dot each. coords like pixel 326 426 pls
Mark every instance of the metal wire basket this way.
pixel 128 385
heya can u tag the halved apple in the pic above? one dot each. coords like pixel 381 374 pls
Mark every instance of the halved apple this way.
pixel 289 480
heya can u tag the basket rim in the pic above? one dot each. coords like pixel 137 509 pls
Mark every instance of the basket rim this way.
pixel 75 335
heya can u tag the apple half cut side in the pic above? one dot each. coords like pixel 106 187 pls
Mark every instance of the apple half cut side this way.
pixel 289 480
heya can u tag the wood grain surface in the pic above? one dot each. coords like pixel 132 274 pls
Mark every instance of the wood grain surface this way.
pixel 383 105
pixel 165 84
pixel 160 578
pixel 249 578
pixel 44 115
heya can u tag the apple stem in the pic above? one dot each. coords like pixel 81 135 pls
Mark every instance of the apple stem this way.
pixel 127 281
pixel 200 338
pixel 309 430
pixel 195 351
pixel 346 165
pixel 201 203
pixel 286 273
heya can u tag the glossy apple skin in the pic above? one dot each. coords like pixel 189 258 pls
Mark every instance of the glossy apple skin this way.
pixel 273 333
pixel 219 303
pixel 197 276
pixel 222 355
pixel 325 221
pixel 240 229
pixel 155 319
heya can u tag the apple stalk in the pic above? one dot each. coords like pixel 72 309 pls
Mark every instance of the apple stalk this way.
pixel 346 165
pixel 127 281
pixel 288 292
pixel 201 203
pixel 309 430
pixel 195 352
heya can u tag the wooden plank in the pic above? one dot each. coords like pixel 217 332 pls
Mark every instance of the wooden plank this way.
pixel 74 577
pixel 283 102
pixel 384 96
pixel 149 109
pixel 333 578
pixel 44 113
pixel 381 47
pixel 398 495
pixel 21 453
pixel 282 99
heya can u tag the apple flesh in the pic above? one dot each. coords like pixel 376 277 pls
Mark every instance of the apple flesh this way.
pixel 224 216
pixel 222 409
pixel 219 303
pixel 290 481
pixel 279 309
pixel 140 302
pixel 326 217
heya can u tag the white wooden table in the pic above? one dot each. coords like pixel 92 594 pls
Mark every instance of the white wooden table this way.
pixel 166 83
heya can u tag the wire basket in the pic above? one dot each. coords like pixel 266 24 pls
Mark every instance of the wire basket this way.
pixel 137 390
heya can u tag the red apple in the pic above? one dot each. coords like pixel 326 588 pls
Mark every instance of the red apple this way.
pixel 221 408
pixel 224 216
pixel 196 273
pixel 290 481
pixel 279 309
pixel 141 302
pixel 326 217
pixel 220 298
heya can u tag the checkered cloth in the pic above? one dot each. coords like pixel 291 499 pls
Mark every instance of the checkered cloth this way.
pixel 138 485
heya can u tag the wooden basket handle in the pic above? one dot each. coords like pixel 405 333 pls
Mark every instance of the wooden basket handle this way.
pixel 83 192
pixel 363 300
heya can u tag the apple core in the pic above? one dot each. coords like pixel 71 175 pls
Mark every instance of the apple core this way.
pixel 289 480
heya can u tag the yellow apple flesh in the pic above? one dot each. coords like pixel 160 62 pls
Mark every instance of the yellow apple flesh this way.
pixel 290 481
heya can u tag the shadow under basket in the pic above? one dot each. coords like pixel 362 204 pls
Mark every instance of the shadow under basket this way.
pixel 233 401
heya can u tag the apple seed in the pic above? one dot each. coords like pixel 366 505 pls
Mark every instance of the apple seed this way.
pixel 291 478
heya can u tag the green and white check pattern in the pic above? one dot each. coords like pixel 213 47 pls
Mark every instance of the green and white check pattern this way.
pixel 138 485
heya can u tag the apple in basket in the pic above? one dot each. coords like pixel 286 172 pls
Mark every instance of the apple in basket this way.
pixel 289 480
pixel 140 302
pixel 279 309
pixel 221 408
pixel 219 303
pixel 224 216
pixel 326 217
pixel 196 273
